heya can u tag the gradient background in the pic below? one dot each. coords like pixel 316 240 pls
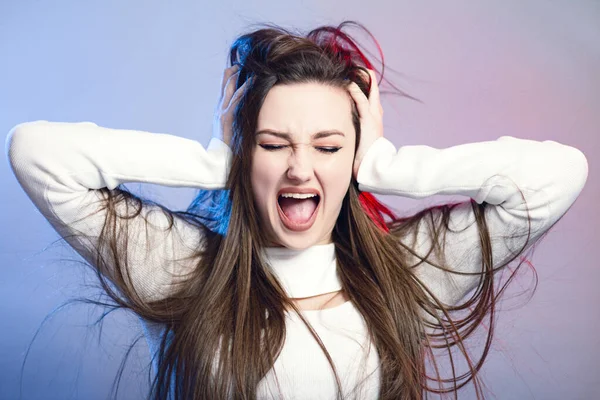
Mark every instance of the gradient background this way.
pixel 525 69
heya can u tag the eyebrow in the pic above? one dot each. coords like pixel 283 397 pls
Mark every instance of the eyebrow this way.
pixel 284 135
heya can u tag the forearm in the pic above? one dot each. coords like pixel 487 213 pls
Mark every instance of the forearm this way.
pixel 547 173
pixel 87 156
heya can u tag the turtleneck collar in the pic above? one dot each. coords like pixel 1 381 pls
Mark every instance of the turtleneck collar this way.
pixel 305 273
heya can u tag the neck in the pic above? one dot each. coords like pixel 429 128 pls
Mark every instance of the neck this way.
pixel 306 272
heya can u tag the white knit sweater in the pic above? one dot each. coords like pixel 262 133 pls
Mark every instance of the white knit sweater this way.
pixel 59 165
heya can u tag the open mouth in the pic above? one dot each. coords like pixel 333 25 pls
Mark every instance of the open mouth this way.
pixel 298 212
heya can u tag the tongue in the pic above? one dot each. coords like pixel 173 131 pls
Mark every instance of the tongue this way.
pixel 298 210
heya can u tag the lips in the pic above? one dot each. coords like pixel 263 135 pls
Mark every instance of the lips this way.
pixel 297 226
pixel 291 189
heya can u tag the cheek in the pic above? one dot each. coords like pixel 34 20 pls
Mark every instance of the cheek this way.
pixel 264 177
pixel 338 176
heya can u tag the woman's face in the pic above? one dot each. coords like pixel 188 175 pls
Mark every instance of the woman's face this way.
pixel 297 125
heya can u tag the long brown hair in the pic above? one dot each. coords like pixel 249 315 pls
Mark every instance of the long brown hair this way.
pixel 231 304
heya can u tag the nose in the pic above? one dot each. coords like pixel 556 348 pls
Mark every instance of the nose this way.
pixel 300 164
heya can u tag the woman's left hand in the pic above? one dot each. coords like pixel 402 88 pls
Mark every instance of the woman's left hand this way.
pixel 371 118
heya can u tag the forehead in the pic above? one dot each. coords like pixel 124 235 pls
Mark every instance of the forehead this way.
pixel 305 108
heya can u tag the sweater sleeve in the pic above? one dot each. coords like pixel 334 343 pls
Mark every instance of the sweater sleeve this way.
pixel 61 166
pixel 516 177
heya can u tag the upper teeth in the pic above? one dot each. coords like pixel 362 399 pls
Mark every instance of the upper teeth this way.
pixel 299 195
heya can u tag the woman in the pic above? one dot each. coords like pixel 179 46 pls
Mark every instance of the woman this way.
pixel 285 278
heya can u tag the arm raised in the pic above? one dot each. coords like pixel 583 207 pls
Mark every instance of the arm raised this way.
pixel 517 178
pixel 63 166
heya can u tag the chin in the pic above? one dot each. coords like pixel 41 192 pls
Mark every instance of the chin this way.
pixel 297 243
pixel 301 240
pixel 294 240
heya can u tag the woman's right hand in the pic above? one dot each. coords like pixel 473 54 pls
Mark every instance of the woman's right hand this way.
pixel 223 119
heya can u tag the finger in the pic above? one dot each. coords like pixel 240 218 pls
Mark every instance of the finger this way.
pixel 227 74
pixel 238 94
pixel 230 88
pixel 374 98
pixel 362 103
pixel 363 73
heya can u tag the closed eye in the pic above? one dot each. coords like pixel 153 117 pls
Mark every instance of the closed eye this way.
pixel 270 147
